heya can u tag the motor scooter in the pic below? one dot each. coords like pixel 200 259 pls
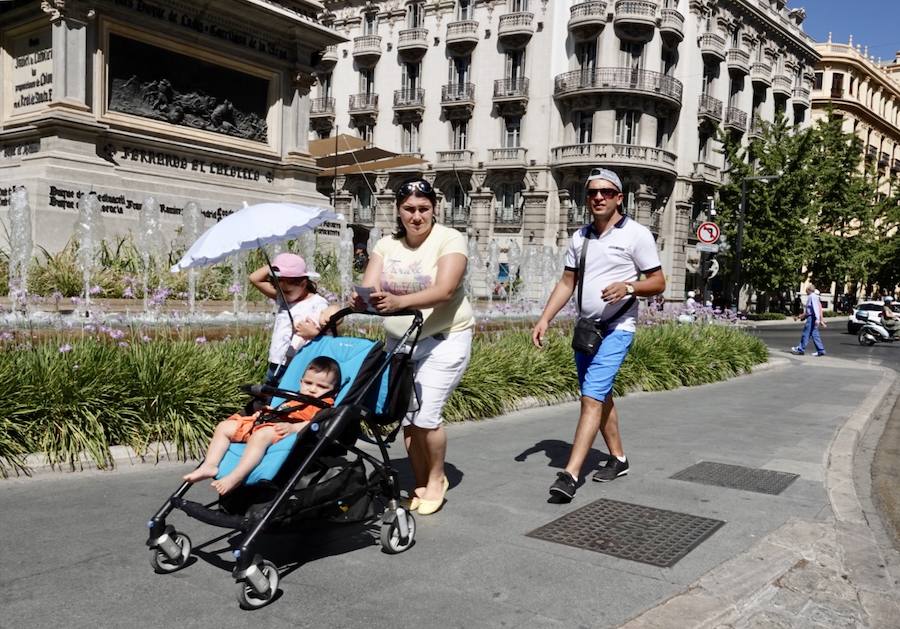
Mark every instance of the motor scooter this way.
pixel 874 331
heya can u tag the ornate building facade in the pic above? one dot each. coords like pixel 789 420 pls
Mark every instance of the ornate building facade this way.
pixel 866 95
pixel 173 99
pixel 513 101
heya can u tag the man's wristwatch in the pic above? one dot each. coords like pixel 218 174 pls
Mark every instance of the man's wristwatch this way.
pixel 629 288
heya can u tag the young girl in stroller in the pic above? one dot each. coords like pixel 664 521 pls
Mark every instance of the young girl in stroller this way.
pixel 264 428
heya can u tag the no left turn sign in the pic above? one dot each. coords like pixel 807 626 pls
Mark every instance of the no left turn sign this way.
pixel 708 233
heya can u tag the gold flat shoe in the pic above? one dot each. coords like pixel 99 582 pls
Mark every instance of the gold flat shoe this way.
pixel 446 484
pixel 427 507
pixel 410 504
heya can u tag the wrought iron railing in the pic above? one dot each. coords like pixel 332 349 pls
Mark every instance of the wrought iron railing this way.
pixel 736 118
pixel 363 102
pixel 627 79
pixel 410 97
pixel 505 215
pixel 710 106
pixel 511 88
pixel 454 92
pixel 322 105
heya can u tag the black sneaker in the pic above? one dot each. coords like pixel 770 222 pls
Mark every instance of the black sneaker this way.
pixel 564 486
pixel 613 469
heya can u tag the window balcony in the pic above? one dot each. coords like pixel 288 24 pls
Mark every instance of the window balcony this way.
pixel 709 109
pixel 636 19
pixel 614 156
pixel 801 96
pixel 508 216
pixel 895 165
pixel 704 171
pixel 456 217
pixel 671 26
pixel 587 19
pixel 367 49
pixel 516 29
pixel 462 36
pixel 511 89
pixel 712 47
pixel 871 153
pixel 458 96
pixel 514 157
pixel 738 61
pixel 883 160
pixel 362 104
pixel 413 41
pixel 761 73
pixel 460 159
pixel 321 107
pixel 410 99
pixel 329 58
pixel 735 119
pixel 618 80
pixel 364 215
pixel 782 85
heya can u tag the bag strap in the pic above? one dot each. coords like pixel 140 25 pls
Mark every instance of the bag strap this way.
pixel 579 277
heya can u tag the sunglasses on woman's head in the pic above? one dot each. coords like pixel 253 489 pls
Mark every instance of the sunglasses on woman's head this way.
pixel 420 185
pixel 606 193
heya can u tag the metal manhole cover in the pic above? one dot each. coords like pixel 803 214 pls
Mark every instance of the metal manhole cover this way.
pixel 737 477
pixel 628 531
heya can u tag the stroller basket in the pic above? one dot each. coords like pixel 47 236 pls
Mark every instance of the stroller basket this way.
pixel 318 475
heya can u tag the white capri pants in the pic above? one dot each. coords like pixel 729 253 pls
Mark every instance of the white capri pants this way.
pixel 439 364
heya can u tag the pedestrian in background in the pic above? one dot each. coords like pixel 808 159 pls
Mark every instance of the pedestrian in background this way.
pixel 812 314
pixel 605 260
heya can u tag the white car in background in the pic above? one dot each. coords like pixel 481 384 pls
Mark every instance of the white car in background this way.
pixel 854 323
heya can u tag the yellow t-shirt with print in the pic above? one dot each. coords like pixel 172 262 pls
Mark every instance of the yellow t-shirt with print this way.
pixel 406 270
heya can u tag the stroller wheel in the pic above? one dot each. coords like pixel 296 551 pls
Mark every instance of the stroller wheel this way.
pixel 160 560
pixel 249 597
pixel 392 539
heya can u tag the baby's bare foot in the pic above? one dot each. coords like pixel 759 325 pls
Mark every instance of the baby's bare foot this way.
pixel 226 484
pixel 204 471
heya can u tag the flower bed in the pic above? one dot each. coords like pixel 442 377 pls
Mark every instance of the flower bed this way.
pixel 67 397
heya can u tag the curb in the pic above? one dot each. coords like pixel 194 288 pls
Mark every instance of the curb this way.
pixel 784 558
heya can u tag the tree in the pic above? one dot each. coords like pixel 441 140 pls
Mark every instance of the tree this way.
pixel 777 232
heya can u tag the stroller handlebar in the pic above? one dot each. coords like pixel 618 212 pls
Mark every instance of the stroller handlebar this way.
pixel 266 390
pixel 343 312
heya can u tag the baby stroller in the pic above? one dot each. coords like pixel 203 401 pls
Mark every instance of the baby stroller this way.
pixel 320 476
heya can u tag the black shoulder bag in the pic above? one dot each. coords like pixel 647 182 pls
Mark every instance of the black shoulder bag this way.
pixel 588 334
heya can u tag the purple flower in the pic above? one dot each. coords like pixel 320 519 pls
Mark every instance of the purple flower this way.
pixel 123 343
pixel 116 334
pixel 200 340
pixel 128 293
pixel 90 328
pixel 56 295
pixel 95 290
pixel 145 338
pixel 65 348
pixel 235 288
pixel 6 336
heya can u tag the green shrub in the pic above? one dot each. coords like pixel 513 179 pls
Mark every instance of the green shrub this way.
pixel 73 397
pixel 832 313
pixel 766 316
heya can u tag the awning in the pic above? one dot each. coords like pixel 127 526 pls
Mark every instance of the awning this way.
pixel 347 154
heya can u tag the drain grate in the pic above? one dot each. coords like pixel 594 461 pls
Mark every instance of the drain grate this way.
pixel 628 531
pixel 737 477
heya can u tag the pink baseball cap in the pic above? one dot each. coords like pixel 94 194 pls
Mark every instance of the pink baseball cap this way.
pixel 291 265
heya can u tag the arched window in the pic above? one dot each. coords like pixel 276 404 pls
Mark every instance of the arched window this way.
pixel 456 204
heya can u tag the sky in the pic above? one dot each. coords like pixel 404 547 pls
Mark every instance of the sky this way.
pixel 873 23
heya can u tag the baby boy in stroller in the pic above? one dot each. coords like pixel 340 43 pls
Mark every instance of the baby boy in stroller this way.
pixel 264 428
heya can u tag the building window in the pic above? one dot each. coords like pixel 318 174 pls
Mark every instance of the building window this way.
pixel 662 133
pixel 459 69
pixel 512 132
pixel 465 10
pixel 509 203
pixel 627 126
pixel 370 24
pixel 518 6
pixel 817 83
pixel 734 93
pixel 410 137
pixel 457 204
pixel 367 80
pixel 515 65
pixel 709 75
pixel 669 58
pixel 324 81
pixel 736 38
pixel 409 77
pixel 837 86
pixel 366 132
pixel 703 148
pixel 415 15
pixel 459 134
pixel 632 55
pixel 586 55
pixel 584 127
pixel 363 208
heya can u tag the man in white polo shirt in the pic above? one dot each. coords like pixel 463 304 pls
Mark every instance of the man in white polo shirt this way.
pixel 619 250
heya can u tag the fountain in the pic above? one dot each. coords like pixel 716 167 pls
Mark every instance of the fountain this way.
pixel 374 237
pixel 513 262
pixel 88 235
pixel 238 283
pixel 475 266
pixel 149 242
pixel 20 243
pixel 307 244
pixel 345 259
pixel 191 228
pixel 493 267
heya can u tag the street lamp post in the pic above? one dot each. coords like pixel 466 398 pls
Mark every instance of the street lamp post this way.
pixel 739 237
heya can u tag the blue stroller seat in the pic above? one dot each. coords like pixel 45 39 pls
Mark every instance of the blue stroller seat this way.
pixel 350 353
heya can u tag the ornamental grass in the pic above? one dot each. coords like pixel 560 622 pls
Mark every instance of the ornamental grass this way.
pixel 72 399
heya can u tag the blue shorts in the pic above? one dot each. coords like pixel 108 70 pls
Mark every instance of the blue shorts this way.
pixel 597 373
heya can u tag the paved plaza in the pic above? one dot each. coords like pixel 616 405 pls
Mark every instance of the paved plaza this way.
pixel 814 555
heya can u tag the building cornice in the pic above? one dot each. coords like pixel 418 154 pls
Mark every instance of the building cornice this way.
pixel 861 113
pixel 832 54
pixel 780 29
